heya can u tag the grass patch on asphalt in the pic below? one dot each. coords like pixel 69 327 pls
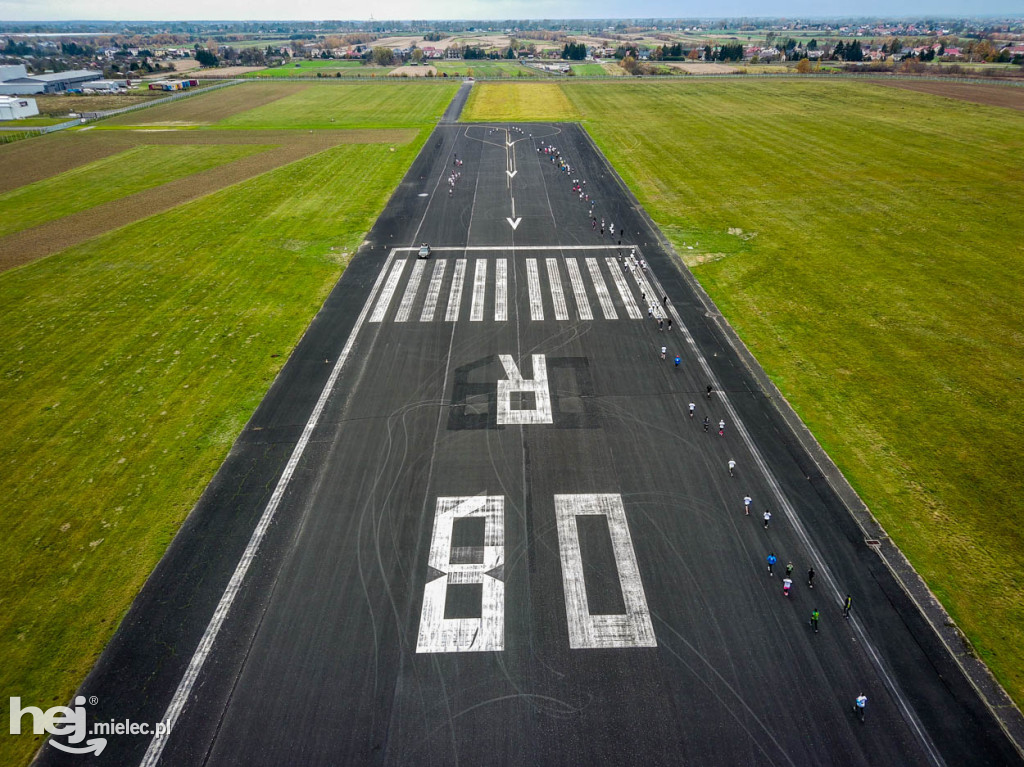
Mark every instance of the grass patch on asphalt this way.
pixel 877 279
pixel 394 104
pixel 518 101
pixel 109 179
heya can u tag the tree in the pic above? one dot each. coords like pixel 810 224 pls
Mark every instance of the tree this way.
pixel 707 53
pixel 206 58
pixel 813 45
pixel 803 66
pixel 630 64
pixel 417 55
pixel 384 57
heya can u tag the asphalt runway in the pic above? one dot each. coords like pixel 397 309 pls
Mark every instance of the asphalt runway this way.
pixel 488 531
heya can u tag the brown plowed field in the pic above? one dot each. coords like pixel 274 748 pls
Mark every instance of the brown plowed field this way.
pixel 995 95
pixel 208 108
pixel 288 146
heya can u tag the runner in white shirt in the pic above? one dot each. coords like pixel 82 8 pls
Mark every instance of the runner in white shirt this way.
pixel 747 500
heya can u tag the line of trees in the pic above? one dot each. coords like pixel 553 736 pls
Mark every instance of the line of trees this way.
pixel 574 52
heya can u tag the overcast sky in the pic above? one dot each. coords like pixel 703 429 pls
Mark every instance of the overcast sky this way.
pixel 47 10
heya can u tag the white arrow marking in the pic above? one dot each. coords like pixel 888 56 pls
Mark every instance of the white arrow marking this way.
pixel 93 744
pixel 511 173
pixel 515 223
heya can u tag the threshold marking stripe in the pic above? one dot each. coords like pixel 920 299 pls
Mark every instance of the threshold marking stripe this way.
pixel 603 296
pixel 533 282
pixel 411 289
pixel 455 294
pixel 579 292
pixel 389 290
pixel 476 309
pixel 624 293
pixel 557 294
pixel 433 290
pixel 501 290
pixel 195 665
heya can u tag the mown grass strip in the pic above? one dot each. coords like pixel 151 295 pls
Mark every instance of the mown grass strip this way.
pixel 874 268
pixel 496 102
pixel 350 104
pixel 133 362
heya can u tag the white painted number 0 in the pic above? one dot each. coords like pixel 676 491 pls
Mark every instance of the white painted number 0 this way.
pixel 487 633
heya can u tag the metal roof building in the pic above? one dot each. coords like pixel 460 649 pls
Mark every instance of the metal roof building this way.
pixel 15 81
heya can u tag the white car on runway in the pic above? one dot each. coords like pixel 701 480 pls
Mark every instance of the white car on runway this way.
pixel 424 251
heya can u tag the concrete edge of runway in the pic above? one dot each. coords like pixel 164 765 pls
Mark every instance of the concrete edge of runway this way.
pixel 991 692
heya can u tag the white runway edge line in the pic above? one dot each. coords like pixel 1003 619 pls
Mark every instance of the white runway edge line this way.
pixel 823 572
pixel 184 691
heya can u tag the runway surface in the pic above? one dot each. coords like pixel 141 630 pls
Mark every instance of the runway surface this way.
pixel 487 530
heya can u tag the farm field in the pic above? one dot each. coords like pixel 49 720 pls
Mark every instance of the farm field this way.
pixel 109 179
pixel 205 108
pixel 61 105
pixel 590 70
pixel 509 101
pixel 349 105
pixel 311 68
pixel 485 68
pixel 878 295
pixel 136 358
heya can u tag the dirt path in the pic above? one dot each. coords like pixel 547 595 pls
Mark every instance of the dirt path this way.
pixel 995 95
pixel 54 236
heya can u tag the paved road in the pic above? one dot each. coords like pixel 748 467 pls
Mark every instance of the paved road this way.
pixel 503 540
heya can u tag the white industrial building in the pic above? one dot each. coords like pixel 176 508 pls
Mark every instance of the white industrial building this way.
pixel 13 108
pixel 16 81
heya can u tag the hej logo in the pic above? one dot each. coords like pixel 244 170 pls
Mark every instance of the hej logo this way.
pixel 59 721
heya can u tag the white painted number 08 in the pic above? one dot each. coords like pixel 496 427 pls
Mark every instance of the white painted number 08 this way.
pixel 487 633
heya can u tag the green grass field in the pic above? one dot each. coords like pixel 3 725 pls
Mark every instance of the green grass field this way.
pixel 877 280
pixel 109 179
pixel 134 361
pixel 311 68
pixel 510 101
pixel 350 105
pixel 485 68
pixel 590 70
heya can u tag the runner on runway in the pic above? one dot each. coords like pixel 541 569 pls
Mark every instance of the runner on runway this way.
pixel 721 428
pixel 707 423
pixel 772 559
pixel 787 584
pixel 810 577
pixel 747 500
pixel 815 615
pixel 732 465
pixel 860 704
pixel 710 389
pixel 789 569
pixel 847 606
pixel 767 518
pixel 692 408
